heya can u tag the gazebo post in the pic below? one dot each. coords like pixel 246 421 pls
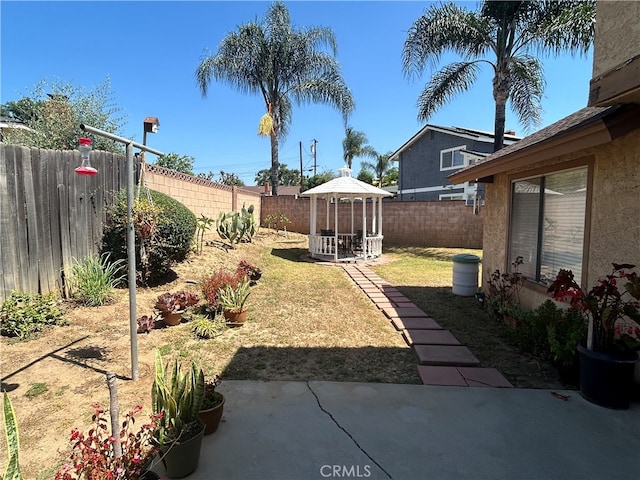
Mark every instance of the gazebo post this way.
pixel 380 216
pixel 327 220
pixel 335 229
pixel 364 227
pixel 374 223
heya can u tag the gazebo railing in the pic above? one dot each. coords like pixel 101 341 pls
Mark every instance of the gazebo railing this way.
pixel 343 246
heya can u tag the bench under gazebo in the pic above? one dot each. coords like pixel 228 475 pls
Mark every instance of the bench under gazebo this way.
pixel 348 236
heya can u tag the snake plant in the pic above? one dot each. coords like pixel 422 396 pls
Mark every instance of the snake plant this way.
pixel 178 396
pixel 13 442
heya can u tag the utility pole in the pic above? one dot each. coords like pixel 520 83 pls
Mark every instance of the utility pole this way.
pixel 301 175
pixel 313 150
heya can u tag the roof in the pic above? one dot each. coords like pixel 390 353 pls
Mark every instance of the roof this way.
pixel 266 189
pixel 345 186
pixel 477 135
pixel 588 127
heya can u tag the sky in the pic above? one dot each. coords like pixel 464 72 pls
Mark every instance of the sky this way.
pixel 150 50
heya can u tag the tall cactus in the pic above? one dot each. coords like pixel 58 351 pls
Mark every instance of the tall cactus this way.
pixel 13 441
pixel 236 227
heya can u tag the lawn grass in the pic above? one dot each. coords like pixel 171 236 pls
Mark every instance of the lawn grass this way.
pixel 425 275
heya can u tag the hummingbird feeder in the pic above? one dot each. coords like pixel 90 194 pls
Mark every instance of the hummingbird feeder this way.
pixel 85 150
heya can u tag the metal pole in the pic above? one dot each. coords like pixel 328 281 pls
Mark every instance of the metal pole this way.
pixel 131 253
pixel 131 238
pixel 116 138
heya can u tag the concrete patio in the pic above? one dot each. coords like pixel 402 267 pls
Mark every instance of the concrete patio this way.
pixel 307 430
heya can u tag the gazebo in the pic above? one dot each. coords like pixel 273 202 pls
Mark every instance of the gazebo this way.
pixel 348 238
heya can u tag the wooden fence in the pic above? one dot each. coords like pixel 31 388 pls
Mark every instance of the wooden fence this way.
pixel 49 215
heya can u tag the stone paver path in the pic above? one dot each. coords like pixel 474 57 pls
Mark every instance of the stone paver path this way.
pixel 443 359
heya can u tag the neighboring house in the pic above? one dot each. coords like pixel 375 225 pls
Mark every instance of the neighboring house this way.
pixel 568 196
pixel 7 123
pixel 266 189
pixel 431 155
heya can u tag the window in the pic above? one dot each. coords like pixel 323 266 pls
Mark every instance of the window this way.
pixel 547 223
pixel 452 158
pixel 451 196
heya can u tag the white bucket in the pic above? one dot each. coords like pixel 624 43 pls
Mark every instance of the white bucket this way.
pixel 465 275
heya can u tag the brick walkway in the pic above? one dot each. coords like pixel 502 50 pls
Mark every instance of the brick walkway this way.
pixel 443 359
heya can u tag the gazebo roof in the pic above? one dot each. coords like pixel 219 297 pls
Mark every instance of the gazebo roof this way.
pixel 347 186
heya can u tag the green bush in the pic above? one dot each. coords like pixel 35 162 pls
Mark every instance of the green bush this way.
pixel 531 335
pixel 94 278
pixel 164 228
pixel 23 314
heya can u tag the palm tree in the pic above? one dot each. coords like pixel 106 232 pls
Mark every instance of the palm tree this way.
pixel 382 166
pixel 501 34
pixel 283 65
pixel 355 145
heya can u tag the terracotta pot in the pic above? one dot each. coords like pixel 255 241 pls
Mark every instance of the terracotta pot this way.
pixel 211 417
pixel 235 318
pixel 172 319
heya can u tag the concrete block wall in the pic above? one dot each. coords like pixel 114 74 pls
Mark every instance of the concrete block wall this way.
pixel 199 195
pixel 432 224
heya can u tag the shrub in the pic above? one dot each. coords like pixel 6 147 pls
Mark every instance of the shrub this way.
pixel 213 284
pixel 564 334
pixel 164 228
pixel 23 314
pixel 93 456
pixel 94 278
pixel 531 335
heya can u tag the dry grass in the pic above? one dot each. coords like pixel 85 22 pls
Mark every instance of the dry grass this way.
pixel 306 322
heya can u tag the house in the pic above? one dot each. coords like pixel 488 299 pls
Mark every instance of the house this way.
pixel 427 158
pixel 568 196
pixel 265 189
pixel 8 124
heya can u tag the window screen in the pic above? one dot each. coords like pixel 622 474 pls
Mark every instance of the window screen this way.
pixel 547 223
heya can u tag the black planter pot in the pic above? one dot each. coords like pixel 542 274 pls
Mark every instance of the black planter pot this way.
pixel 181 459
pixel 606 380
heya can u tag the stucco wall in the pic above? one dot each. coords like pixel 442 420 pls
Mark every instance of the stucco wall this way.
pixel 617 34
pixel 615 212
pixel 432 224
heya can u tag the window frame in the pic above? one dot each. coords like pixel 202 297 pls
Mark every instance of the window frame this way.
pixel 453 149
pixel 587 162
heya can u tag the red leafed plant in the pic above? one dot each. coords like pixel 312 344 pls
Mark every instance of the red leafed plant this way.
pixel 608 306
pixel 213 284
pixel 93 456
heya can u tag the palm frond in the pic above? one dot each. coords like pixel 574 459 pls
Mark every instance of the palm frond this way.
pixel 444 28
pixel 444 85
pixel 527 88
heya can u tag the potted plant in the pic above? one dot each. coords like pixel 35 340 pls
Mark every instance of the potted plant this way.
pixel 247 270
pixel 213 284
pixel 173 305
pixel 212 406
pixel 232 301
pixel 608 357
pixel 178 397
